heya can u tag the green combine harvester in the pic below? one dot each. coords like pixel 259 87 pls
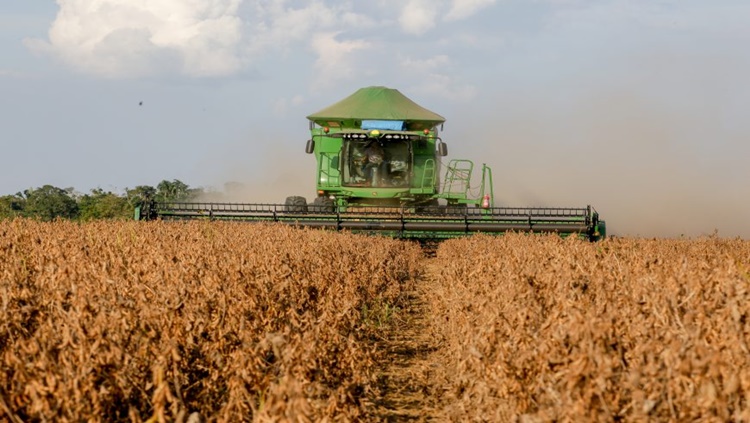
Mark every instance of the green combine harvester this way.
pixel 379 170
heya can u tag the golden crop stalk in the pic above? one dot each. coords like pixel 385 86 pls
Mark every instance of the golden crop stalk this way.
pixel 154 320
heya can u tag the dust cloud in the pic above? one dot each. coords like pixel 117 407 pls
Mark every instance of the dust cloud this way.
pixel 660 146
pixel 657 143
pixel 262 169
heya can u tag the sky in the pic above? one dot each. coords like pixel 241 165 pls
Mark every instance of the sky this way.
pixel 638 108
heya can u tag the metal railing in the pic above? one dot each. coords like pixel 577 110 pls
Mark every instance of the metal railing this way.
pixel 422 222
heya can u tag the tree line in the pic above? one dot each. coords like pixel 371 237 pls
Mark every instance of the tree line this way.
pixel 49 202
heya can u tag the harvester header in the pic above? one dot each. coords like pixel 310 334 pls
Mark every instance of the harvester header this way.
pixel 380 168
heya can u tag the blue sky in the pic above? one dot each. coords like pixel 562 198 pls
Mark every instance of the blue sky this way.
pixel 638 107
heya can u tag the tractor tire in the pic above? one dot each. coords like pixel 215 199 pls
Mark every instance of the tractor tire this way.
pixel 322 205
pixel 295 204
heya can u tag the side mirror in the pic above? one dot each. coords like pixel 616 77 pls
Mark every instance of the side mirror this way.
pixel 442 149
pixel 310 147
pixel 335 162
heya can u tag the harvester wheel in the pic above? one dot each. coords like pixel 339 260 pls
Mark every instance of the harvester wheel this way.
pixel 295 204
pixel 323 205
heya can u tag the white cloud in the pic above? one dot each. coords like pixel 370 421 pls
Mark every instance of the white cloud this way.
pixel 418 16
pixel 425 64
pixel 434 79
pixel 448 87
pixel 275 26
pixel 462 9
pixel 210 38
pixel 282 105
pixel 133 38
pixel 336 59
pixel 130 38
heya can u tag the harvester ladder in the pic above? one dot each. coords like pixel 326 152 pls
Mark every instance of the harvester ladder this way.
pixel 457 179
pixel 428 175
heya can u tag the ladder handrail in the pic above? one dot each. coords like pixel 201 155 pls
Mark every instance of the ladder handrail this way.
pixel 487 176
pixel 457 175
pixel 429 167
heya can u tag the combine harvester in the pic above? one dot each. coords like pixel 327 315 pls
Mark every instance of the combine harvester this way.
pixel 378 170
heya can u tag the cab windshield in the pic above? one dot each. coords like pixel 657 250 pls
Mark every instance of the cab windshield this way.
pixel 373 162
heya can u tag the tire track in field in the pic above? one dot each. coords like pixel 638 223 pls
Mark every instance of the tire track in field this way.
pixel 407 376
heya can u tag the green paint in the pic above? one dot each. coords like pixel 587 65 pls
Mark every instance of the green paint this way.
pixel 410 171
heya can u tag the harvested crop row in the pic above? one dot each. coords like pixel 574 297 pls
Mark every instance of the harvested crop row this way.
pixel 135 320
pixel 549 329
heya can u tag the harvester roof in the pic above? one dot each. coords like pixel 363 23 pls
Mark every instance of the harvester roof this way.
pixel 376 103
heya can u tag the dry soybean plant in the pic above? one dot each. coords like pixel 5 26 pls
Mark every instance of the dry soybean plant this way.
pixel 541 328
pixel 152 321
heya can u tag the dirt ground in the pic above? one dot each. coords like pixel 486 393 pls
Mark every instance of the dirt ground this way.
pixel 407 380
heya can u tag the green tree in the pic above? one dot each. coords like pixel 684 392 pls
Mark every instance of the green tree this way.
pixel 102 204
pixel 140 195
pixel 174 190
pixel 49 202
pixel 12 206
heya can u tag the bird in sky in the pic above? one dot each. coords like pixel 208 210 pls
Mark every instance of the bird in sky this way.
pixel 140 104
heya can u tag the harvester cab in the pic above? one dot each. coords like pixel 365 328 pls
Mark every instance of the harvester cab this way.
pixel 379 168
pixel 377 148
